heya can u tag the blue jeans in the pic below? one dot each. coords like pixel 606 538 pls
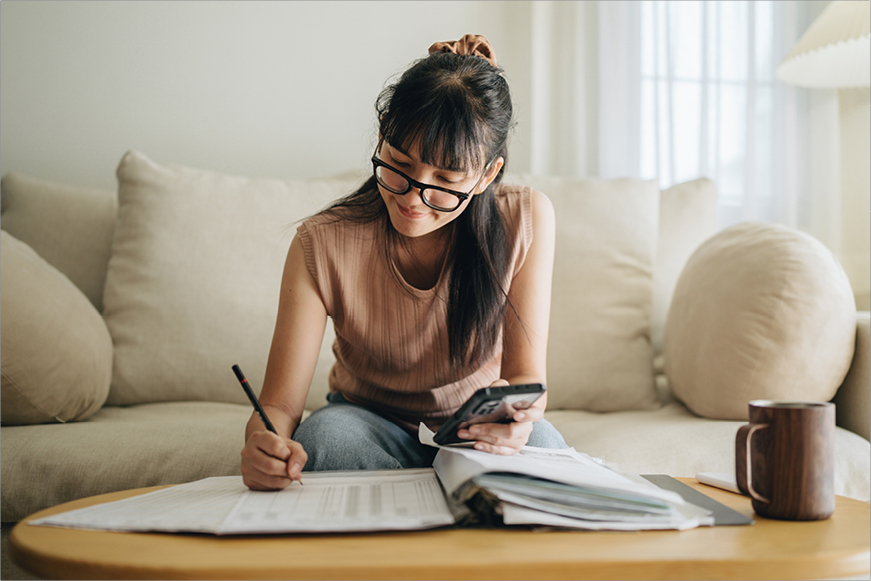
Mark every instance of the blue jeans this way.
pixel 346 436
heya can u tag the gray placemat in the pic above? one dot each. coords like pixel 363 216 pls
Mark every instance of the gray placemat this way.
pixel 723 515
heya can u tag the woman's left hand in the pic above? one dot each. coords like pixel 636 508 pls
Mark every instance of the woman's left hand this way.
pixel 505 439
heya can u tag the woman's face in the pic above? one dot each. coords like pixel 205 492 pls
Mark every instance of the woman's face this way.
pixel 409 215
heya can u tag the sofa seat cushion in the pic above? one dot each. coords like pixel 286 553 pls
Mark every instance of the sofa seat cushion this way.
pixel 673 441
pixel 116 449
pixel 56 350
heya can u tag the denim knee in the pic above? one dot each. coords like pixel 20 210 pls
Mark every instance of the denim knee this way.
pixel 345 436
pixel 545 435
pixel 341 437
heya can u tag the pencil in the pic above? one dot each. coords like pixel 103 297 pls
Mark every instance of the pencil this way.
pixel 255 402
pixel 250 393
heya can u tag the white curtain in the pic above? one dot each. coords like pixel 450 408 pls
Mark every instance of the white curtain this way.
pixel 688 89
pixel 557 117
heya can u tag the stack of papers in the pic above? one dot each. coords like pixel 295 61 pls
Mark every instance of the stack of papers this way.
pixel 536 486
pixel 558 488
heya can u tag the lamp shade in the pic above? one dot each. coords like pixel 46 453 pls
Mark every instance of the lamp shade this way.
pixel 835 52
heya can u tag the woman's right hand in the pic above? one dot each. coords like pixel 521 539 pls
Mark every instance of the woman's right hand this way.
pixel 270 462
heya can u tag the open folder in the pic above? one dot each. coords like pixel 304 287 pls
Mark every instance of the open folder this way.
pixel 537 486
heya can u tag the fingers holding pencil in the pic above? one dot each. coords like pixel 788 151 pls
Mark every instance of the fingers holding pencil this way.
pixel 289 452
pixel 269 461
pixel 296 461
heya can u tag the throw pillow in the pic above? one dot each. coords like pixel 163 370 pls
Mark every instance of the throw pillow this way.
pixel 56 350
pixel 70 227
pixel 760 311
pixel 193 281
pixel 599 354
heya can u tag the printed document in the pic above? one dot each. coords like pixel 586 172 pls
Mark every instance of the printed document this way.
pixel 327 502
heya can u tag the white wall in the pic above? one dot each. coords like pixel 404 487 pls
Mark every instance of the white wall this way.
pixel 268 89
pixel 286 89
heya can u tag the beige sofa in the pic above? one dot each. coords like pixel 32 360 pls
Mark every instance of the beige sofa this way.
pixel 123 312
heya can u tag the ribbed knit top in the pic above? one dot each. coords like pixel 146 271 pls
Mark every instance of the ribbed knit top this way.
pixel 391 342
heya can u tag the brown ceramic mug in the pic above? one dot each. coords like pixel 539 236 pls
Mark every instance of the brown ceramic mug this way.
pixel 784 459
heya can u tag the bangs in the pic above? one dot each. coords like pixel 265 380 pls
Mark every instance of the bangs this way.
pixel 442 127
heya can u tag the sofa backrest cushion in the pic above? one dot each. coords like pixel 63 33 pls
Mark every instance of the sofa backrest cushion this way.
pixel 687 217
pixel 599 350
pixel 56 351
pixel 70 227
pixel 761 311
pixel 193 281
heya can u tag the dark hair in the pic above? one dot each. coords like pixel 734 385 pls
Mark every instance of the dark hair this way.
pixel 457 110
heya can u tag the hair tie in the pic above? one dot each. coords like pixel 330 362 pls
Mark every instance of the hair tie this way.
pixel 470 44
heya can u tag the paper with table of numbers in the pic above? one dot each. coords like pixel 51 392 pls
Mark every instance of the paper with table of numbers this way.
pixel 328 502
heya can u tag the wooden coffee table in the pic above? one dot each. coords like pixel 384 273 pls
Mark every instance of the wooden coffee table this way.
pixel 768 549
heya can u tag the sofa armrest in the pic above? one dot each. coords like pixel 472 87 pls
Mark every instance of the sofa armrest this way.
pixel 853 400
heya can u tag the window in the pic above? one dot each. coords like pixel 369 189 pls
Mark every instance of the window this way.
pixel 711 105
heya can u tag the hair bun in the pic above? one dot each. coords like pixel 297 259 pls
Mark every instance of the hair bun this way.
pixel 470 44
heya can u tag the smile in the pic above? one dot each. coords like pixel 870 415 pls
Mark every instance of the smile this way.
pixel 410 214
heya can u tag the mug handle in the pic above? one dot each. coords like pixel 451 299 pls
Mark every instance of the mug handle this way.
pixel 745 433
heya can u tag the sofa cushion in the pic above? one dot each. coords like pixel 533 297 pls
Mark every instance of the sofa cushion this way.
pixel 117 449
pixel 70 227
pixel 193 281
pixel 56 350
pixel 599 352
pixel 761 311
pixel 687 217
pixel 672 440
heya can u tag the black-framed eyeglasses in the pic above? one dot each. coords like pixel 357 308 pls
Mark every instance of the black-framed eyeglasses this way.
pixel 435 197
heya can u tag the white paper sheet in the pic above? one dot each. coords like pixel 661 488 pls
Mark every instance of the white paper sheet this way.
pixel 327 502
pixel 198 507
pixel 345 502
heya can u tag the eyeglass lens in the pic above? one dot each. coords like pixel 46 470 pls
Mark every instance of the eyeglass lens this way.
pixel 399 185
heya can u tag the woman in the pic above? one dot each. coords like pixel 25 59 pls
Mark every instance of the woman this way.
pixel 437 278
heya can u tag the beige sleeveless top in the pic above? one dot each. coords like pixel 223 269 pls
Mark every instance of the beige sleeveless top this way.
pixel 391 343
